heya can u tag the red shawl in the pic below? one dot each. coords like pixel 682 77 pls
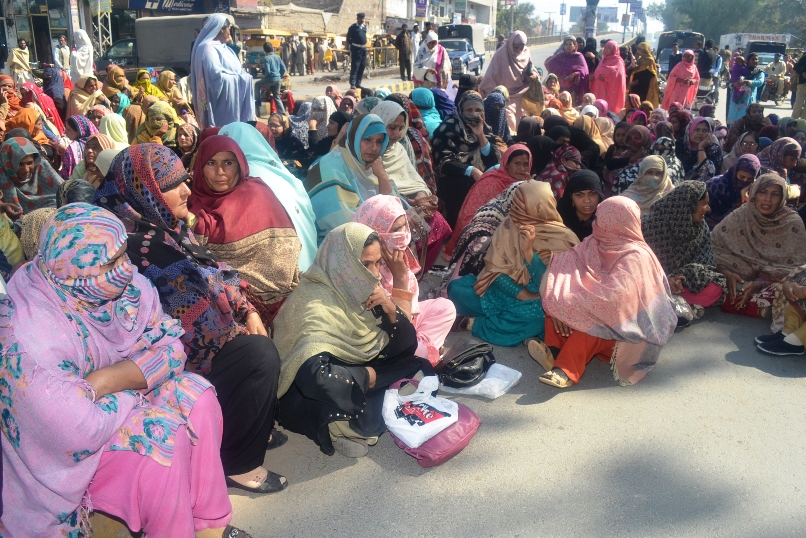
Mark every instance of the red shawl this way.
pixel 38 96
pixel 221 214
pixel 489 185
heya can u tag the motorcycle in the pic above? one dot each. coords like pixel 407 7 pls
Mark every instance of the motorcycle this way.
pixel 770 90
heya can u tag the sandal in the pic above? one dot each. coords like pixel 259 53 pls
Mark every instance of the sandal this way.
pixel 541 354
pixel 234 532
pixel 556 378
pixel 272 484
pixel 276 440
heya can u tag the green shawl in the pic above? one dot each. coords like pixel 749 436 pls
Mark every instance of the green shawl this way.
pixel 326 314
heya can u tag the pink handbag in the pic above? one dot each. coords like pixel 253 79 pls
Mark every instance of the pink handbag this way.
pixel 447 443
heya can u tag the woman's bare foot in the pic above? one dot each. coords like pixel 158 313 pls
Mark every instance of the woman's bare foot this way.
pixel 258 480
pixel 252 479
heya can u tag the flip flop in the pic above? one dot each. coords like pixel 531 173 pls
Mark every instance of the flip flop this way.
pixel 272 484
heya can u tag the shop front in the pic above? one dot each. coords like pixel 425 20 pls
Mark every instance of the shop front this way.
pixel 40 23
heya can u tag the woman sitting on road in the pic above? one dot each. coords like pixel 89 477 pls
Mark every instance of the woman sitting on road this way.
pixel 608 298
pixel 516 164
pixel 757 246
pixel 99 407
pixel 355 343
pixel 731 189
pixel 680 238
pixel 225 340
pixel 432 319
pixel 85 96
pixel 350 174
pixel 652 184
pixel 263 248
pixel 579 201
pixel 504 299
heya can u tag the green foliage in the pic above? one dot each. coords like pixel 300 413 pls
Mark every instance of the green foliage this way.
pixel 713 18
pixel 525 19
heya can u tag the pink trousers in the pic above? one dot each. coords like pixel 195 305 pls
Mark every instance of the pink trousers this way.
pixel 707 297
pixel 170 502
pixel 433 323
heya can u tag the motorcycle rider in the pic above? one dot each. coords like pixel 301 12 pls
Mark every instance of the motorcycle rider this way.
pixel 776 72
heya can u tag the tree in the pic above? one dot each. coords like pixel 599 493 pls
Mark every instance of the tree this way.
pixel 525 19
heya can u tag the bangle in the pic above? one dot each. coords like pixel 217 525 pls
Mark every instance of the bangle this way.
pixel 402 294
pixel 699 150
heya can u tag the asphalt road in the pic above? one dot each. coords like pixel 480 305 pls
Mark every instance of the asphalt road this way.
pixel 310 86
pixel 710 443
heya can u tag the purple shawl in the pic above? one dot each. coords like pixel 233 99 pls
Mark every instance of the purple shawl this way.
pixel 563 65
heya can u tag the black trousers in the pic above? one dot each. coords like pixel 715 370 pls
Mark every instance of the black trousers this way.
pixel 358 61
pixel 405 66
pixel 245 374
pixel 453 189
pixel 327 389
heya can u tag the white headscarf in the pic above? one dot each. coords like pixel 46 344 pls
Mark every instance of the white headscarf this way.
pixel 81 59
pixel 428 58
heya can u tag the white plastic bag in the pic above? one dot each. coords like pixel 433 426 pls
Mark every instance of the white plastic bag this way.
pixel 416 418
pixel 497 382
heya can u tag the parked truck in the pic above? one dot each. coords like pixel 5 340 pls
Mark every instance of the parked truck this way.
pixel 149 49
pixel 736 41
pixel 465 46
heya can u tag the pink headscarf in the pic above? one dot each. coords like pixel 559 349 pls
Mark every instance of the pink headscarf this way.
pixel 379 212
pixel 507 67
pixel 612 286
pixel 608 82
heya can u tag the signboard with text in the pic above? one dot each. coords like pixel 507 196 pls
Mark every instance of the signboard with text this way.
pixel 173 6
pixel 421 9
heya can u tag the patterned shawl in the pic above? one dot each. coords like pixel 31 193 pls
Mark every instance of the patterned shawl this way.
pixel 37 190
pixel 56 429
pixel 453 141
pixel 263 248
pixel 534 204
pixel 612 286
pixel 321 109
pixel 664 147
pixel 772 157
pixel 74 153
pixel 687 153
pixel 555 173
pixel 156 114
pixel 750 244
pixel 683 247
pixel 330 299
pixel 725 190
pixel 194 287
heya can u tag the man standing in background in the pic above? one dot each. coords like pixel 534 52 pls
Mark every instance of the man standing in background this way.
pixel 61 54
pixel 357 45
pixel 20 63
pixel 403 46
pixel 416 38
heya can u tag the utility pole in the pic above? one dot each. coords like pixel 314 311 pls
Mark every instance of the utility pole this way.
pixel 512 4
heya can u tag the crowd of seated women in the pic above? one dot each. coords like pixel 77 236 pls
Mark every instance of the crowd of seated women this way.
pixel 204 287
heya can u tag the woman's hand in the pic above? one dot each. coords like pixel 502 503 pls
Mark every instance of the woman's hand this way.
pixel 475 174
pixel 396 261
pixel 372 376
pixel 572 77
pixel 255 325
pixel 601 78
pixel 379 297
pixel 634 83
pixel 793 292
pixel 384 185
pixel 676 285
pixel 312 124
pixel 748 291
pixel 123 375
pixel 12 210
pixel 528 235
pixel 732 279
pixel 561 328
pixel 163 129
pixel 478 130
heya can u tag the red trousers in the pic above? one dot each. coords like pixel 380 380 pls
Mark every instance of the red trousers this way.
pixel 577 350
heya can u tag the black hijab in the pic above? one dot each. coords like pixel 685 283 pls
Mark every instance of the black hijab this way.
pixel 586 145
pixel 581 180
pixel 554 121
pixel 542 149
pixel 528 128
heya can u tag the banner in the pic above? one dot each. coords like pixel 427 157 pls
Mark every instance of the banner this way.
pixel 100 6
pixel 460 5
pixel 175 6
pixel 562 9
pixel 422 9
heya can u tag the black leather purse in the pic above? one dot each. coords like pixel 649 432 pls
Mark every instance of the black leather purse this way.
pixel 466 363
